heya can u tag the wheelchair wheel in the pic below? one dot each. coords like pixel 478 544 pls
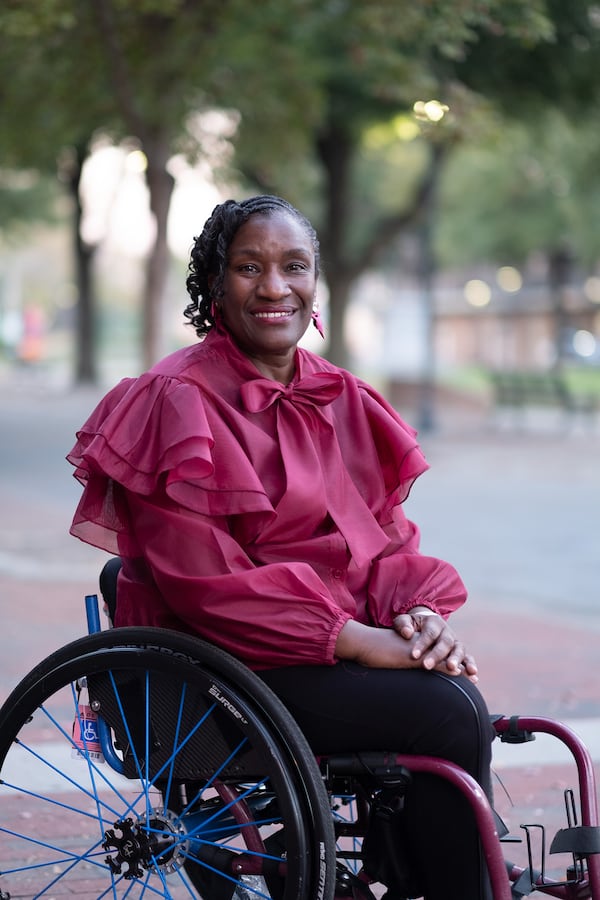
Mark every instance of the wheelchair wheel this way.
pixel 207 787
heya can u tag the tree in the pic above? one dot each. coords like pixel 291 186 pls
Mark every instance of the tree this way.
pixel 151 58
pixel 308 79
pixel 524 191
pixel 49 130
pixel 560 72
pixel 128 70
pixel 366 64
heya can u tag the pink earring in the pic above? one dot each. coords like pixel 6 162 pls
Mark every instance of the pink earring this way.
pixel 317 321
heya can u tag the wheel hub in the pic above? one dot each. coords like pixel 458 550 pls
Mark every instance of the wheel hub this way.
pixel 151 844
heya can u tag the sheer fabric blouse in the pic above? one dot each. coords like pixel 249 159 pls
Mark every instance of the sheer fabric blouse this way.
pixel 258 515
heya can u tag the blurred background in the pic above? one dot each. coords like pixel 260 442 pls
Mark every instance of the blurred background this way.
pixel 448 154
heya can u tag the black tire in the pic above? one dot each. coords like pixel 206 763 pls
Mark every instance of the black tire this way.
pixel 216 778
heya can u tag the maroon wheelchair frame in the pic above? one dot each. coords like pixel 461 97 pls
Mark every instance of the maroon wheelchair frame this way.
pixel 580 839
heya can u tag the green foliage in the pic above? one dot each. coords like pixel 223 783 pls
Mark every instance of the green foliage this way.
pixel 354 63
pixel 289 67
pixel 25 197
pixel 31 21
pixel 527 188
pixel 318 87
pixel 559 71
pixel 349 69
pixel 583 381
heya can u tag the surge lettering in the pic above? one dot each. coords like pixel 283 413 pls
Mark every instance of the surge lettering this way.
pixel 216 693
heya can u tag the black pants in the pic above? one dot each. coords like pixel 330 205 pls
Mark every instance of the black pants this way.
pixel 348 707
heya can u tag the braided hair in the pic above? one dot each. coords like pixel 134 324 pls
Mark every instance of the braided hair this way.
pixel 209 253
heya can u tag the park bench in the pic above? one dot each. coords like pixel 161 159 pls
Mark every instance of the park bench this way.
pixel 520 391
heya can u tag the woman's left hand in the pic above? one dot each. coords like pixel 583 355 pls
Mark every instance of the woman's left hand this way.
pixel 437 645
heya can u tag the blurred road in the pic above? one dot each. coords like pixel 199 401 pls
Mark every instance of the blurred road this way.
pixel 517 512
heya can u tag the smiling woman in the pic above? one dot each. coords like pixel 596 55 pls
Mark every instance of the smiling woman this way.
pixel 268 291
pixel 254 493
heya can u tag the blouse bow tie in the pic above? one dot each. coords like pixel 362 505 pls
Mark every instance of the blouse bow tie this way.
pixel 320 389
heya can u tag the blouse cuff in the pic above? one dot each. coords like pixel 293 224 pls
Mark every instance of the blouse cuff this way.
pixel 335 633
pixel 408 605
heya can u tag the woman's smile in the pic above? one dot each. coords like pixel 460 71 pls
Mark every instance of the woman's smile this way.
pixel 274 314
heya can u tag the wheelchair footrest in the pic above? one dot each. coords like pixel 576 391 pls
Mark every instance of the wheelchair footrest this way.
pixel 582 840
pixel 524 884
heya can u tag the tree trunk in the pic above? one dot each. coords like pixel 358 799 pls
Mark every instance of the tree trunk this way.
pixel 339 296
pixel 342 265
pixel 155 144
pixel 335 148
pixel 560 262
pixel 427 268
pixel 86 369
pixel 160 185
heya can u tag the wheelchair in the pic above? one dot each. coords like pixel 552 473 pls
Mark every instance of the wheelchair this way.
pixel 140 762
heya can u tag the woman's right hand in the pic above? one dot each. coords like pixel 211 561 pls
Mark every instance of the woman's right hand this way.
pixel 379 648
pixel 384 648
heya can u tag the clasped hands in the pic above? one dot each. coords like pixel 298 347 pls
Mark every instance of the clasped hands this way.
pixel 418 639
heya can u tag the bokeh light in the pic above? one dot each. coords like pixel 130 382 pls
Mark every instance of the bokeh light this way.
pixel 509 279
pixel 584 343
pixel 136 161
pixel 430 110
pixel 591 289
pixel 477 292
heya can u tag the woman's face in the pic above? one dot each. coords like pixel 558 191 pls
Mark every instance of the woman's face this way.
pixel 268 289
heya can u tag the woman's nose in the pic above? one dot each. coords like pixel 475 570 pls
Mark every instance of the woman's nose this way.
pixel 273 285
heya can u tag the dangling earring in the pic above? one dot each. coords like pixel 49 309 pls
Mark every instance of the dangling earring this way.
pixel 215 311
pixel 317 321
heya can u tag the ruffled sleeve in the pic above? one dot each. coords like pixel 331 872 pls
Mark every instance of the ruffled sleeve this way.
pixel 149 433
pixel 401 577
pixel 400 456
pixel 121 438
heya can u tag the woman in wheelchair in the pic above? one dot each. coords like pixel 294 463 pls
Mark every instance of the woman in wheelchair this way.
pixel 254 493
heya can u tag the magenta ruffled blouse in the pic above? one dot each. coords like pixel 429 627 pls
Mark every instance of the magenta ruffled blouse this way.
pixel 260 516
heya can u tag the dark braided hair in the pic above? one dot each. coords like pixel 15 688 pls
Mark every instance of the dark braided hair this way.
pixel 209 254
